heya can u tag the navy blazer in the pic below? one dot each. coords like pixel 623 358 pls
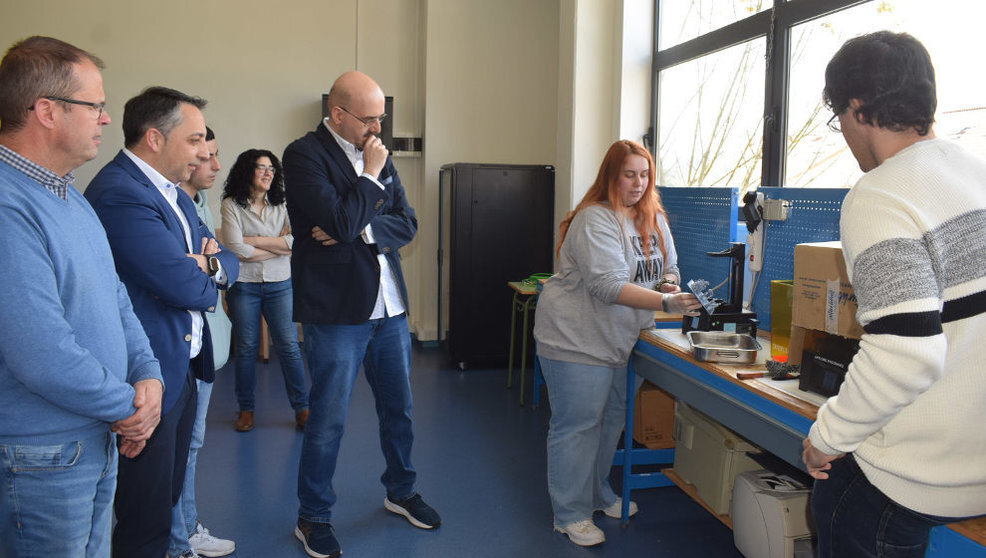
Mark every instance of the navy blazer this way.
pixel 149 249
pixel 338 284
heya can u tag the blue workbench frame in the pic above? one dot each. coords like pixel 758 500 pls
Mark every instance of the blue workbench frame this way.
pixel 703 220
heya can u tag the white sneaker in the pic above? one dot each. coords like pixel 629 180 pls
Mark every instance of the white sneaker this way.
pixel 582 533
pixel 204 544
pixel 616 509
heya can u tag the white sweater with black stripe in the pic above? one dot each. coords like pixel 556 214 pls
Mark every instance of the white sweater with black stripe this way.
pixel 913 405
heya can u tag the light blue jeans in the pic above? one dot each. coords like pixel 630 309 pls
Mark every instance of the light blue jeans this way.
pixel 247 301
pixel 588 404
pixel 334 354
pixel 184 515
pixel 58 500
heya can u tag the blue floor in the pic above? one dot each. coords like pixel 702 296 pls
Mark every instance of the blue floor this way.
pixel 480 460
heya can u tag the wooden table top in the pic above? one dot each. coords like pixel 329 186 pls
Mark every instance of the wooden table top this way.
pixel 729 372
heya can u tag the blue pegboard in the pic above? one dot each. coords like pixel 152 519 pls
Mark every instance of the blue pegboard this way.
pixel 701 220
pixel 813 217
pixel 704 220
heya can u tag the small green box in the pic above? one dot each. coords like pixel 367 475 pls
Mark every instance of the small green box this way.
pixel 781 304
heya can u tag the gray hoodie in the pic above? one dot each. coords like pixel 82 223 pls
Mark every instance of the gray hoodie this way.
pixel 577 319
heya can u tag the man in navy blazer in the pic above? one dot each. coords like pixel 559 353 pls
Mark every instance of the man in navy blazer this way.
pixel 350 298
pixel 172 266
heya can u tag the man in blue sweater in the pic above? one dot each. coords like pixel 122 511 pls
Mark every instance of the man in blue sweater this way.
pixel 76 369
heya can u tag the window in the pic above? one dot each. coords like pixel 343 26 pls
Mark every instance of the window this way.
pixel 682 20
pixel 817 157
pixel 738 85
pixel 711 124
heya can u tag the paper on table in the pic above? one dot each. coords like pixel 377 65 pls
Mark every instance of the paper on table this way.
pixel 791 388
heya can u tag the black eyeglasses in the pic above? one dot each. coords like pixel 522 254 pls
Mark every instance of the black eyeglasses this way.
pixel 833 123
pixel 99 107
pixel 367 121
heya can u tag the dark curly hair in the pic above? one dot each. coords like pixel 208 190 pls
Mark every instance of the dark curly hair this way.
pixel 892 76
pixel 241 175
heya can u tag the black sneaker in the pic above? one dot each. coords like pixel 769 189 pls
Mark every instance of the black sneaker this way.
pixel 319 539
pixel 415 510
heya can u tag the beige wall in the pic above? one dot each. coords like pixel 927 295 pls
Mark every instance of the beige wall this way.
pixel 505 81
pixel 492 84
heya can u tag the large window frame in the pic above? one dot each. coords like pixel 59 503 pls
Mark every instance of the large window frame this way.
pixel 775 24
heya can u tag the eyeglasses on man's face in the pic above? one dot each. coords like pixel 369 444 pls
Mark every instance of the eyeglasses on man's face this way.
pixel 98 107
pixel 262 169
pixel 833 123
pixel 366 120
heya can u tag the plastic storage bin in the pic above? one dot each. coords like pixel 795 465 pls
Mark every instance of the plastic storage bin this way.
pixel 709 456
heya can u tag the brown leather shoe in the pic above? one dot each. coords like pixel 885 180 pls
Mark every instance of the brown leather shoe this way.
pixel 300 418
pixel 244 422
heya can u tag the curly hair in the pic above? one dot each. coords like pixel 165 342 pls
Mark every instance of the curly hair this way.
pixel 892 76
pixel 643 213
pixel 240 178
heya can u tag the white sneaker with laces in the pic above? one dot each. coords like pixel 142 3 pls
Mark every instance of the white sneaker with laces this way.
pixel 582 533
pixel 204 544
pixel 616 509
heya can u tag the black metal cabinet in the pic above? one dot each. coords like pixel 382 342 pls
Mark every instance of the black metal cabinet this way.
pixel 497 225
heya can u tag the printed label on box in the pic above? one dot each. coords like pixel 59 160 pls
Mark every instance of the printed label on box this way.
pixel 832 306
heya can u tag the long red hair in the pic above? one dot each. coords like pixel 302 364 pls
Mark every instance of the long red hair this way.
pixel 643 214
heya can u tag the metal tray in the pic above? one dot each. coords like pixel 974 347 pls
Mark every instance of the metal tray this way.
pixel 721 346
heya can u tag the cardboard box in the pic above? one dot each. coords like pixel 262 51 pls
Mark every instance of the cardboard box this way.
pixel 653 417
pixel 823 298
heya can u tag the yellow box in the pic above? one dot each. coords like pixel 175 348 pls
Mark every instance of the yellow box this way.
pixel 781 303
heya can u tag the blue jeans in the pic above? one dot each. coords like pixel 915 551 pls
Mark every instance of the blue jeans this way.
pixel 334 354
pixel 247 301
pixel 58 500
pixel 588 405
pixel 855 519
pixel 183 514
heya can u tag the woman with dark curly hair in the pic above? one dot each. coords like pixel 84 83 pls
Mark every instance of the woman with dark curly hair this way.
pixel 256 228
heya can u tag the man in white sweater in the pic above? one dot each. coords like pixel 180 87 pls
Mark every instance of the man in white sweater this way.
pixel 902 447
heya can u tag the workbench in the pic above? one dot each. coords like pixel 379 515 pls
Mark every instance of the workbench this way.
pixel 774 415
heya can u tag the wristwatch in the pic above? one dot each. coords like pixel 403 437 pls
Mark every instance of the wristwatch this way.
pixel 213 266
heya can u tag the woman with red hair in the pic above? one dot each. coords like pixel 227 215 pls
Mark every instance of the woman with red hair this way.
pixel 614 250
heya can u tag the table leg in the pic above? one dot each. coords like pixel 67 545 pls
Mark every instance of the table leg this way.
pixel 523 346
pixel 513 329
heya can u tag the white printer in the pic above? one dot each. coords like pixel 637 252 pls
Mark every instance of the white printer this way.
pixel 770 516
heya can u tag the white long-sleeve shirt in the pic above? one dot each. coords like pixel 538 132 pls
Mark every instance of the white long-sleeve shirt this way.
pixel 913 404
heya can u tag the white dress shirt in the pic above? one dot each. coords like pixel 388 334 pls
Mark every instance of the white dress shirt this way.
pixel 389 302
pixel 170 193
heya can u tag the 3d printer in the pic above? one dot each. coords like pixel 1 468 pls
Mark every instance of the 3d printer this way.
pixel 717 314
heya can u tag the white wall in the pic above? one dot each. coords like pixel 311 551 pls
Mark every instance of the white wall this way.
pixel 505 81
pixel 491 84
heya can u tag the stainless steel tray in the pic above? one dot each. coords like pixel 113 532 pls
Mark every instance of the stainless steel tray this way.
pixel 721 346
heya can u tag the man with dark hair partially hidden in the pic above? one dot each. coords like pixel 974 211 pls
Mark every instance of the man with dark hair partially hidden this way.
pixel 902 447
pixel 189 538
